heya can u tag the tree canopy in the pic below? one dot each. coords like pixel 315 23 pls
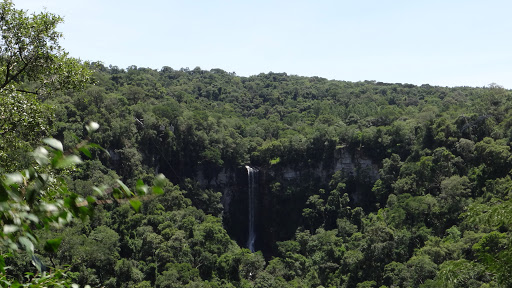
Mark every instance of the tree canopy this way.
pixel 363 184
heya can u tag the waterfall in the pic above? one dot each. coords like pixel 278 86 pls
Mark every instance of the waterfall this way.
pixel 252 190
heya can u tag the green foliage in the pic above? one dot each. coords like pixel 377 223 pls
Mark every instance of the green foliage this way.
pixel 32 65
pixel 342 229
pixel 31 54
pixel 38 197
pixel 439 214
pixel 23 121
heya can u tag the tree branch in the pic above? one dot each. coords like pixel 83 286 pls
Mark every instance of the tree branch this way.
pixel 7 81
pixel 7 73
pixel 25 91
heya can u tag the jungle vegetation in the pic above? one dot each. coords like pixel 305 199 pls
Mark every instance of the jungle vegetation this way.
pixel 77 138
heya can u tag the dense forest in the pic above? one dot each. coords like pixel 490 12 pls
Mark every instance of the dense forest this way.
pixel 359 184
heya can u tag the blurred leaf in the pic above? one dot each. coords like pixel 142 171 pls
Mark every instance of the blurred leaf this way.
pixel 85 151
pixel 158 190
pixel 31 217
pixel 68 161
pixel 136 204
pixel 126 191
pixel 116 192
pixel 40 155
pixel 52 245
pixel 76 137
pixel 10 229
pixel 91 199
pixel 29 246
pixel 54 143
pixel 92 126
pixel 12 178
pixel 39 265
pixel 94 145
pixel 2 264
pixel 160 180
pixel 99 191
pixel 141 188
pixel 48 207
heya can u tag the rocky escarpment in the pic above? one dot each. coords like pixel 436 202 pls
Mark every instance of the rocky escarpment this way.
pixel 283 192
pixel 353 165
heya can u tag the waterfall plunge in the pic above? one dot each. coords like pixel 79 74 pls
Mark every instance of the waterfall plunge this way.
pixel 252 190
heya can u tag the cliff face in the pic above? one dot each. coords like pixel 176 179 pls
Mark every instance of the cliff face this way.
pixel 233 184
pixel 353 165
pixel 283 192
pixel 226 181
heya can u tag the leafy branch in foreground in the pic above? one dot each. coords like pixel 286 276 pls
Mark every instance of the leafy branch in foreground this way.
pixel 38 197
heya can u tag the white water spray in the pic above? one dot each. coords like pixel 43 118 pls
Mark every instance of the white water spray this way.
pixel 252 174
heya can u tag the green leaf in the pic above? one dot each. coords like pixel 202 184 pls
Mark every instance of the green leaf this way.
pixel 160 180
pixel 116 192
pixel 31 237
pixel 29 246
pixel 49 207
pixel 90 199
pixel 85 151
pixel 76 137
pixel 40 155
pixel 39 265
pixel 141 188
pixel 135 204
pixel 98 191
pixel 12 178
pixel 94 145
pixel 31 217
pixel 2 264
pixel 54 143
pixel 92 126
pixel 158 190
pixel 10 229
pixel 126 191
pixel 68 161
pixel 52 245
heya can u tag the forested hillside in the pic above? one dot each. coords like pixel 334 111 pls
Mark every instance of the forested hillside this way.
pixel 359 184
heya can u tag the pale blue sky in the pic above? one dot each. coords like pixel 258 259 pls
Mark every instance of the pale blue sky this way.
pixel 446 43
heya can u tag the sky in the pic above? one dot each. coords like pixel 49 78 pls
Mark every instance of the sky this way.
pixel 444 43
